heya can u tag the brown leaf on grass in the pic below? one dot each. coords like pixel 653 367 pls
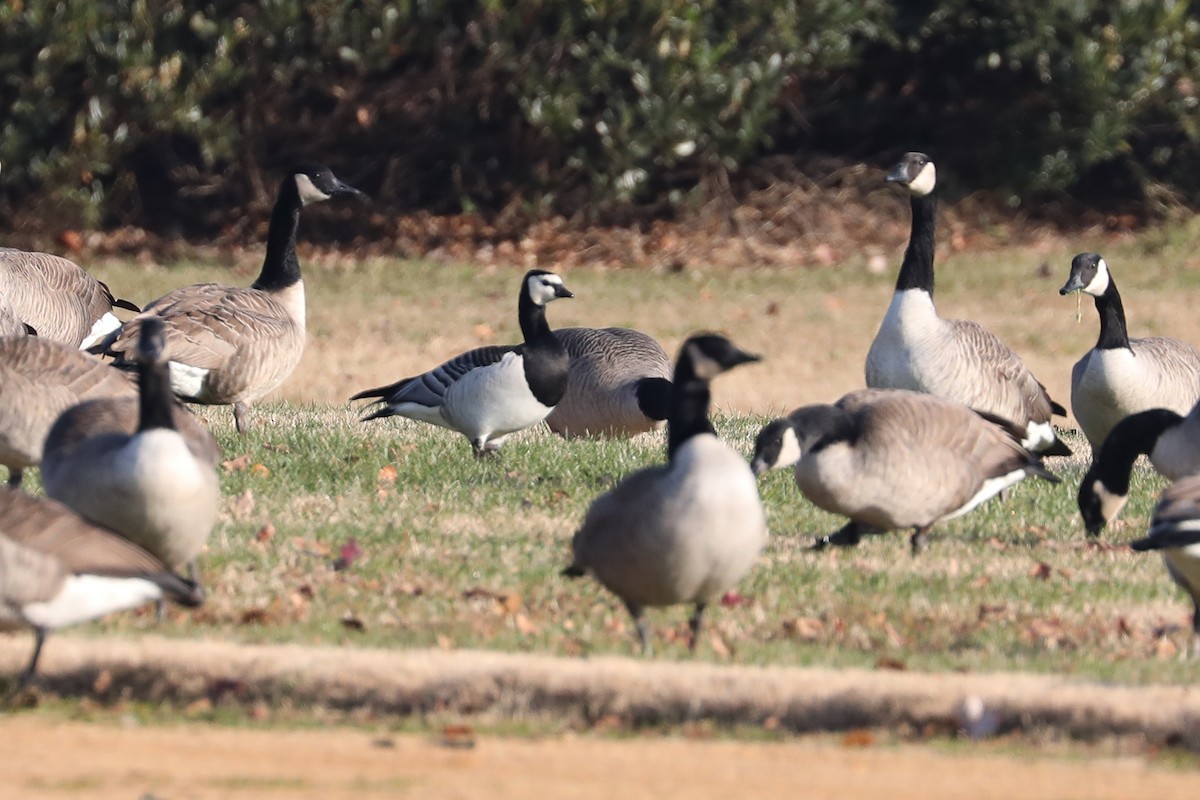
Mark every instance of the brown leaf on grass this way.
pixel 254 616
pixel 1123 629
pixel 860 737
pixel 806 629
pixel 990 610
pixel 353 623
pixel 260 471
pixel 732 599
pixel 890 664
pixel 236 464
pixel 265 533
pixel 510 602
pixel 1041 571
pixel 347 554
pixel 460 737
pixel 387 475
pixel 772 309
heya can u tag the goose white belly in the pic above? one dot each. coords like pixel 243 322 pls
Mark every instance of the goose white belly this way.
pixel 493 401
pixel 679 533
pixel 899 357
pixel 1109 385
pixel 87 597
pixel 151 490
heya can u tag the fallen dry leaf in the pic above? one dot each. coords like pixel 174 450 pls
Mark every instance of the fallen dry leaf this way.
pixel 387 475
pixel 260 470
pixel 732 599
pixel 858 738
pixel 236 464
pixel 804 628
pixel 265 533
pixel 1041 571
pixel 351 622
pixel 347 554
pixel 890 664
pixel 458 736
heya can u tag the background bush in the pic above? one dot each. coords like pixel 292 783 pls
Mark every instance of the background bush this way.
pixel 178 115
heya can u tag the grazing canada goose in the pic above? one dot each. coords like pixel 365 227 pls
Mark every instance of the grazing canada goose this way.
pixel 1175 531
pixel 896 459
pixel 1172 442
pixel 39 379
pixel 688 530
pixel 1121 376
pixel 956 359
pixel 231 345
pixel 148 478
pixel 57 569
pixel 619 383
pixel 487 393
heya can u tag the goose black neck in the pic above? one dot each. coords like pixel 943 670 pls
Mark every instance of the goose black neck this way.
pixel 281 267
pixel 532 319
pixel 1133 436
pixel 689 408
pixel 1113 332
pixel 155 398
pixel 916 271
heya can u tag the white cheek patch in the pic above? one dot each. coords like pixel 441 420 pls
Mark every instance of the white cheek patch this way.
pixel 704 367
pixel 102 327
pixel 1099 284
pixel 1110 502
pixel 925 181
pixel 309 193
pixel 186 380
pixel 789 449
pixel 1038 436
pixel 542 288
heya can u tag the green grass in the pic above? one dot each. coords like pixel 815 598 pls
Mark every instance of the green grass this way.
pixel 460 552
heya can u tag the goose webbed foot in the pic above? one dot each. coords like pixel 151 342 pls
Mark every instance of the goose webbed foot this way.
pixel 919 540
pixel 694 624
pixel 848 535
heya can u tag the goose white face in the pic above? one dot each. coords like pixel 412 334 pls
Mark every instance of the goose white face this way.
pixel 309 193
pixel 925 181
pixel 789 449
pixel 544 288
pixel 704 366
pixel 1098 285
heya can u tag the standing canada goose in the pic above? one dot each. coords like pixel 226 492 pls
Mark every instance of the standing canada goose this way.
pixel 148 481
pixel 57 569
pixel 1172 442
pixel 688 530
pixel 956 359
pixel 619 383
pixel 1121 376
pixel 1175 531
pixel 39 379
pixel 487 393
pixel 895 459
pixel 231 345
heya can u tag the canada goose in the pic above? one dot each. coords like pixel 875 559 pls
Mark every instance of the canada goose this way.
pixel 895 459
pixel 688 530
pixel 231 345
pixel 487 393
pixel 39 379
pixel 57 298
pixel 57 569
pixel 1172 442
pixel 148 478
pixel 956 359
pixel 1175 530
pixel 619 383
pixel 1121 376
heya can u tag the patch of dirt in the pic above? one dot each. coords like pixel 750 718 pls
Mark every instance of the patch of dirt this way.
pixel 45 758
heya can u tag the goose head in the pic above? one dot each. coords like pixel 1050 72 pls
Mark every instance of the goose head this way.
pixel 316 182
pixel 775 446
pixel 916 173
pixel 1089 274
pixel 707 355
pixel 151 346
pixel 542 287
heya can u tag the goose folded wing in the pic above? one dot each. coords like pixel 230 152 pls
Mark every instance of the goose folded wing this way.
pixel 430 388
pixel 1019 383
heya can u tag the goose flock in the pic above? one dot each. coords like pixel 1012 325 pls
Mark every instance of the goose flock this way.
pixel 950 417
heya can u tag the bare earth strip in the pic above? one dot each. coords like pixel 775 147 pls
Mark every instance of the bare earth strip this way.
pixel 523 686
pixel 44 758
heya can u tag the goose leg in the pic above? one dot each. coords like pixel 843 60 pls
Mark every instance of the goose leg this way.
pixel 14 477
pixel 643 630
pixel 241 412
pixel 30 674
pixel 919 539
pixel 694 625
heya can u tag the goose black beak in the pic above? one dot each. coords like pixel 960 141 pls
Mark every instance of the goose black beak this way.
pixel 562 291
pixel 344 188
pixel 1073 284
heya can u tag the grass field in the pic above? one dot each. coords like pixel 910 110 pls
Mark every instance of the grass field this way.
pixel 457 552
